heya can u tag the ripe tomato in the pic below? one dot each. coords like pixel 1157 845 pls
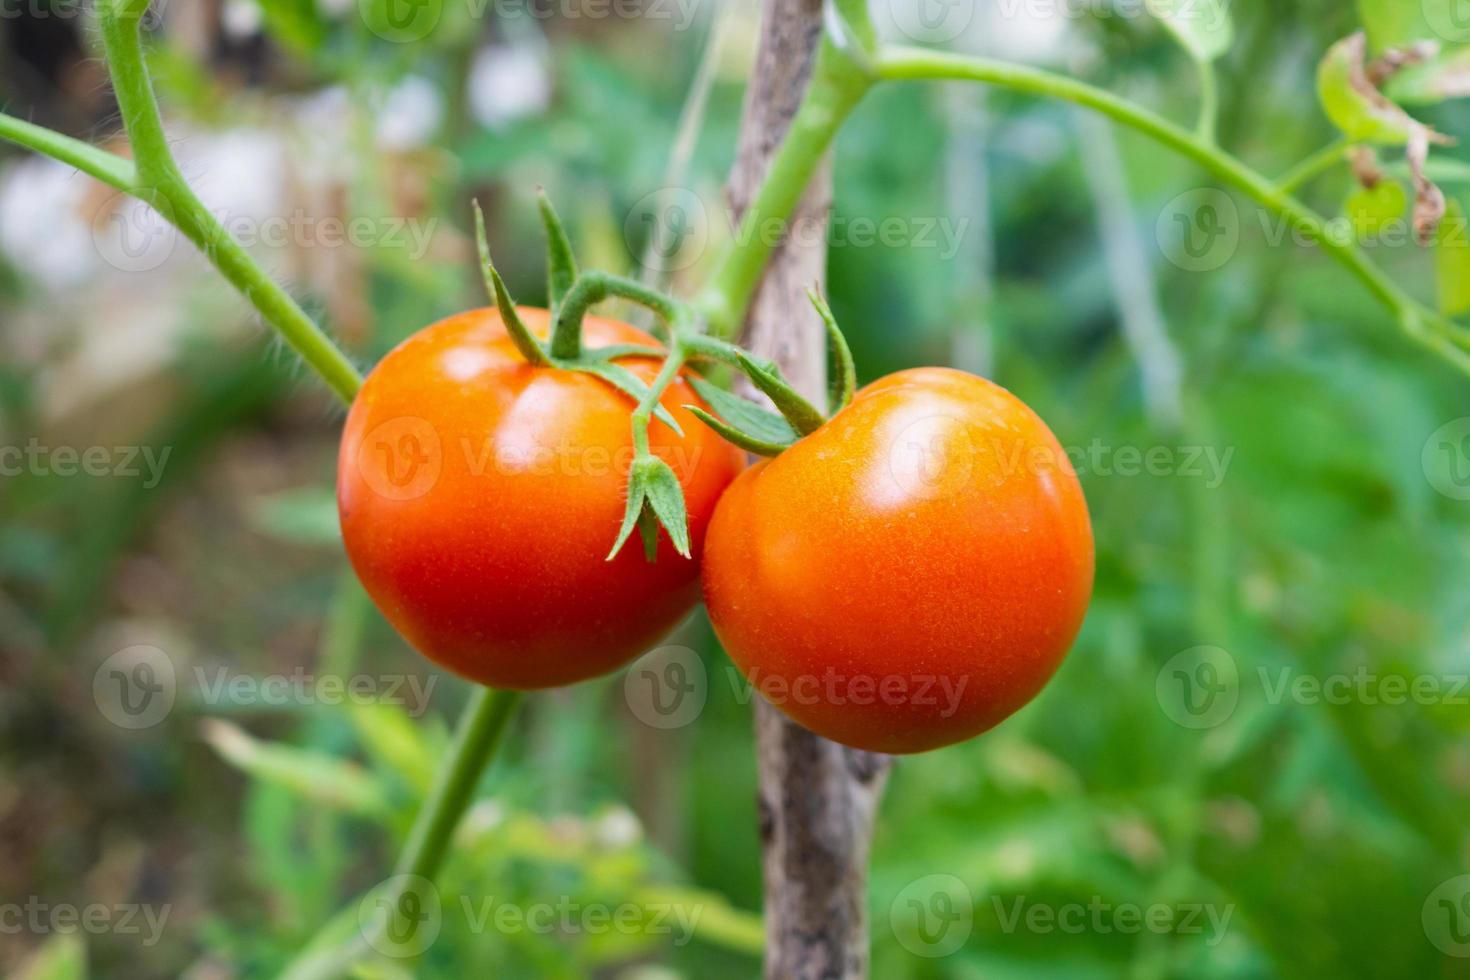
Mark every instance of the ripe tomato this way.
pixel 909 574
pixel 479 497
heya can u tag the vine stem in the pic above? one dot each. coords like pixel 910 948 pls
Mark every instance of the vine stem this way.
pixel 1418 321
pixel 1315 165
pixel 155 179
pixel 838 83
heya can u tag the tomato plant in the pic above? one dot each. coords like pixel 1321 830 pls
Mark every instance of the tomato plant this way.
pixel 910 573
pixel 478 496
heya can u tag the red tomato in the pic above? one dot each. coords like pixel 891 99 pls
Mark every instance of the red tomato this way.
pixel 909 574
pixel 479 497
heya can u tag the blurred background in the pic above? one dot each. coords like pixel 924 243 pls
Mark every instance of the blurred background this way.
pixel 1260 744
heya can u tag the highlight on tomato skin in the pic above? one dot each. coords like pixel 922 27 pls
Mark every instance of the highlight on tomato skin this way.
pixel 911 573
pixel 479 496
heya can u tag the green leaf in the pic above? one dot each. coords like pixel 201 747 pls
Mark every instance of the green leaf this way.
pixel 736 437
pixel 520 334
pixel 1434 81
pixel 748 417
pixel 1452 262
pixel 561 265
pixel 654 492
pixel 62 957
pixel 390 736
pixel 335 782
pixel 1371 210
pixel 1204 27
pixel 804 418
pixel 1392 23
pixel 623 380
pixel 843 380
pixel 305 516
pixel 1353 104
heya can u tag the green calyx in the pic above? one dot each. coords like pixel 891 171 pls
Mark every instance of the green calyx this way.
pixel 655 497
pixel 759 430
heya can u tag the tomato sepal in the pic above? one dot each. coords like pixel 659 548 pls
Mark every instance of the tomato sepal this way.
pixel 530 348
pixel 623 380
pixel 843 382
pixel 741 422
pixel 654 498
pixel 561 264
pixel 802 414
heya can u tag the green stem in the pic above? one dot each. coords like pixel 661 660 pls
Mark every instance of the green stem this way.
pixel 158 182
pixel 1422 324
pixel 481 729
pixel 592 288
pixel 1209 106
pixel 110 169
pixel 838 83
pixel 1314 166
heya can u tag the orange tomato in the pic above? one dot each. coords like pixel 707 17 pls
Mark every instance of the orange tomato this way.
pixel 479 497
pixel 909 574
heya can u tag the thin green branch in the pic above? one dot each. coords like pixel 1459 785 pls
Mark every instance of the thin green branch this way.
pixel 1315 166
pixel 159 183
pixel 838 83
pixel 1422 324
pixel 1209 104
pixel 109 168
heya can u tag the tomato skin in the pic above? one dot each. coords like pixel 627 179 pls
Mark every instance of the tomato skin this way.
pixel 479 497
pixel 911 573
